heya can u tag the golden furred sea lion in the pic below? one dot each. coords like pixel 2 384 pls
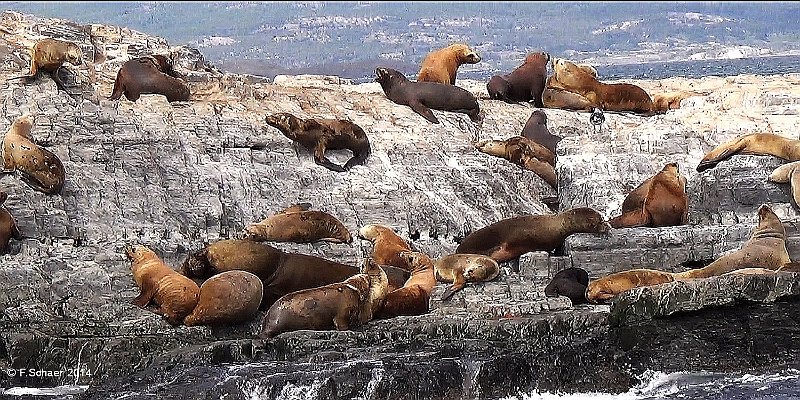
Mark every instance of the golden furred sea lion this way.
pixel 8 227
pixel 38 167
pixel 299 225
pixel 229 298
pixel 661 200
pixel 459 269
pixel 604 289
pixel 414 297
pixel 759 144
pixel 525 153
pixel 608 96
pixel 442 65
pixel 49 55
pixel 386 245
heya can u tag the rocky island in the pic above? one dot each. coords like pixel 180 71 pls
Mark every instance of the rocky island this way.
pixel 176 176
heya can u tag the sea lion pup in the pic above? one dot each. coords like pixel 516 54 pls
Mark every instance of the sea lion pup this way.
pixel 424 96
pixel 525 153
pixel 788 173
pixel 8 227
pixel 149 75
pixel 570 282
pixel 49 55
pixel 386 245
pixel 608 96
pixel 299 225
pixel 660 200
pixel 462 268
pixel 229 298
pixel 414 297
pixel 759 144
pixel 509 238
pixel 766 248
pixel 606 288
pixel 524 83
pixel 38 167
pixel 341 306
pixel 175 294
pixel 536 130
pixel 441 65
pixel 318 135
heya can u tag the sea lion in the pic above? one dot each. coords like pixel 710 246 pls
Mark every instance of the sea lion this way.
pixel 788 173
pixel 299 225
pixel 319 135
pixel 462 268
pixel 570 282
pixel 386 245
pixel 441 65
pixel 414 297
pixel 525 153
pixel 660 200
pixel 555 96
pixel 606 288
pixel 8 227
pixel 175 294
pixel 524 83
pixel 341 306
pixel 663 102
pixel 424 96
pixel 38 167
pixel 229 298
pixel 149 75
pixel 609 96
pixel 509 238
pixel 759 144
pixel 49 55
pixel 536 130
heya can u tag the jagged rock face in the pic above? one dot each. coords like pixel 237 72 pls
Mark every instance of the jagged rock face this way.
pixel 176 176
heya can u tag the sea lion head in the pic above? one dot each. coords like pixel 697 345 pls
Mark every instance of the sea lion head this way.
pixel 196 264
pixel 606 288
pixel 388 77
pixel 481 269
pixel 538 117
pixel 371 232
pixel 538 57
pixel 23 123
pixel 73 54
pixel 137 253
pixel 587 220
pixel 283 121
pixel 416 260
pixel 492 147
pixel 465 54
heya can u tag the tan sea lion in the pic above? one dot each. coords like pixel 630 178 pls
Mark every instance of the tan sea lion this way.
pixel 299 225
pixel 524 83
pixel 663 102
pixel 509 238
pixel 463 268
pixel 342 306
pixel 229 298
pixel 414 297
pixel 604 289
pixel 149 75
pixel 8 227
pixel 788 173
pixel 536 130
pixel 424 96
pixel 175 294
pixel 318 135
pixel 442 65
pixel 386 245
pixel 659 201
pixel 49 55
pixel 555 96
pixel 38 167
pixel 525 153
pixel 760 144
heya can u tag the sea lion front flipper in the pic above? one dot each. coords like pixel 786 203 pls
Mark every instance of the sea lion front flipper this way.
pixel 424 111
pixel 632 219
pixel 795 183
pixel 294 208
pixel 458 283
pixel 36 184
pixel 148 291
pixel 320 159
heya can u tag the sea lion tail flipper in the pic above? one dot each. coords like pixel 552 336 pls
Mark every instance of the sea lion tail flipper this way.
pixel 36 184
pixel 424 111
pixel 320 159
pixel 358 158
pixel 455 287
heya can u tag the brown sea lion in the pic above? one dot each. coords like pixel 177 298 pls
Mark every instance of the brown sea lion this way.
pixel 462 268
pixel 524 153
pixel 8 227
pixel 760 144
pixel 441 65
pixel 49 55
pixel 555 96
pixel 386 245
pixel 606 288
pixel 149 75
pixel 609 96
pixel 319 135
pixel 424 96
pixel 660 200
pixel 414 297
pixel 38 167
pixel 509 238
pixel 175 294
pixel 536 130
pixel 299 225
pixel 524 83
pixel 229 298
pixel 570 282
pixel 342 306
pixel 788 173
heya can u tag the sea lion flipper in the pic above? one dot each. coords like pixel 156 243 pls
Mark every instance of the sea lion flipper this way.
pixel 320 159
pixel 148 291
pixel 630 219
pixel 790 267
pixel 424 111
pixel 36 184
pixel 795 184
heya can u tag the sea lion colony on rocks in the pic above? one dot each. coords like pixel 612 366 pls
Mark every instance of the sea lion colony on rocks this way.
pixel 238 276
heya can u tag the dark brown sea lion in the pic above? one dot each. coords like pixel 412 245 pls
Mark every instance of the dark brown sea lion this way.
pixel 342 306
pixel 660 200
pixel 229 298
pixel 8 227
pixel 38 167
pixel 459 269
pixel 570 282
pixel 524 83
pixel 536 130
pixel 788 173
pixel 175 294
pixel 414 297
pixel 424 96
pixel 299 225
pixel 49 55
pixel 509 238
pixel 319 135
pixel 606 288
pixel 609 96
pixel 760 144
pixel 525 153
pixel 149 75
pixel 442 65
pixel 386 245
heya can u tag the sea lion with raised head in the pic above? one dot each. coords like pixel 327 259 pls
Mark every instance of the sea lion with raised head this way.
pixel 229 298
pixel 414 297
pixel 661 200
pixel 8 227
pixel 442 65
pixel 524 83
pixel 536 130
pixel 759 144
pixel 298 224
pixel 38 167
pixel 386 245
pixel 149 75
pixel 608 96
pixel 525 153
pixel 460 269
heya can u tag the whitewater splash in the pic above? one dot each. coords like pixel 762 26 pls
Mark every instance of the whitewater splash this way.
pixel 65 390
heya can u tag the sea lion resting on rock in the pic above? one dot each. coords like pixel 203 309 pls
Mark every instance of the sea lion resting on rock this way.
pixel 8 227
pixel 660 200
pixel 386 245
pixel 299 225
pixel 524 83
pixel 414 297
pixel 570 282
pixel 536 130
pixel 229 298
pixel 341 306
pixel 788 173
pixel 525 153
pixel 442 65
pixel 424 96
pixel 509 238
pixel 49 55
pixel 318 135
pixel 463 268
pixel 608 287
pixel 38 167
pixel 175 294
pixel 760 144
pixel 149 75
pixel 556 96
